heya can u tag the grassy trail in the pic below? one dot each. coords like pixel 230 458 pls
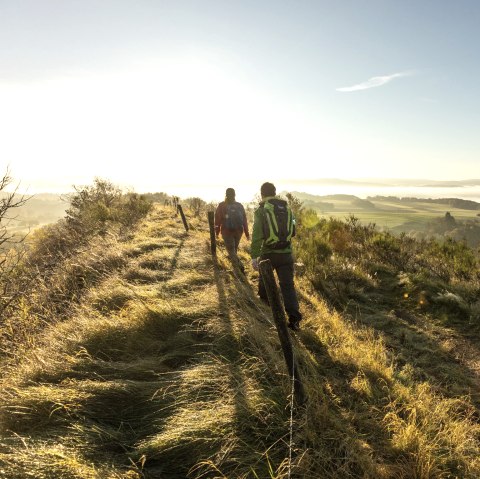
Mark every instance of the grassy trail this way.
pixel 146 377
pixel 171 368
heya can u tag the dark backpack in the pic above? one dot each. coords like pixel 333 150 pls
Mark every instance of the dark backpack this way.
pixel 278 224
pixel 233 216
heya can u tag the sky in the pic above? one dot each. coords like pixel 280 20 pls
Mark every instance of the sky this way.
pixel 158 94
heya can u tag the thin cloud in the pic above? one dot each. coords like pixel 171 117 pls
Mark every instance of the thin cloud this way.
pixel 374 82
pixel 428 100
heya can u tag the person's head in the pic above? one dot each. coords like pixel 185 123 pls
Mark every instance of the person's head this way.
pixel 230 194
pixel 268 189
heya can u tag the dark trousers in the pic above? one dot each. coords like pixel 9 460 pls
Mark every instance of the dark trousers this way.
pixel 282 263
pixel 231 245
pixel 231 242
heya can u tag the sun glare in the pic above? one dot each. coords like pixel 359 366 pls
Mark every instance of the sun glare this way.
pixel 169 121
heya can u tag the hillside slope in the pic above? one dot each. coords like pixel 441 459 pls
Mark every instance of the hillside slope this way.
pixel 171 368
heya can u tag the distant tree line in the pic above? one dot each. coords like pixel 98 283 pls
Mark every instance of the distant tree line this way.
pixel 448 227
pixel 453 202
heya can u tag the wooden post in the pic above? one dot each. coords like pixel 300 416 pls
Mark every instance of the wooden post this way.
pixel 180 209
pixel 213 240
pixel 266 275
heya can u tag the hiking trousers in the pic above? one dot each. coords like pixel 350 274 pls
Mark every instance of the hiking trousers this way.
pixel 282 263
pixel 232 241
pixel 231 245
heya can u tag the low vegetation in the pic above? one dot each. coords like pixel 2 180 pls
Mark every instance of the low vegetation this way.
pixel 142 356
pixel 45 276
pixel 420 218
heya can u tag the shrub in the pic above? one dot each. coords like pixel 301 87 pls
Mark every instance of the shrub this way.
pixel 196 205
pixel 450 260
pixel 131 208
pixel 93 208
pixel 345 259
pixel 386 248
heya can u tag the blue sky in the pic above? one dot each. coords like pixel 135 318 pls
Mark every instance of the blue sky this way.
pixel 155 93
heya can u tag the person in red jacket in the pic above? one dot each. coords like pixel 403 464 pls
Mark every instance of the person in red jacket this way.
pixel 231 223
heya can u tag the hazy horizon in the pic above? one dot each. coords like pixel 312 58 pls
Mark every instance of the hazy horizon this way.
pixel 361 187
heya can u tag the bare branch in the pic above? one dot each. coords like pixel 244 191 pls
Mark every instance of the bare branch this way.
pixel 10 254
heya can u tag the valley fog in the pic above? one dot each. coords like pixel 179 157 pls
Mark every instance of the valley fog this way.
pixel 247 192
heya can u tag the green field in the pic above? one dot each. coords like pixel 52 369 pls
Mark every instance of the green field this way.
pixel 397 216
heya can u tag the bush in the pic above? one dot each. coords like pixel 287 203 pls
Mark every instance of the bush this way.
pixel 450 260
pixel 386 248
pixel 131 208
pixel 345 259
pixel 93 208
pixel 196 205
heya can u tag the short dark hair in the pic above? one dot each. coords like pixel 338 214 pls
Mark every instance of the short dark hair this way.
pixel 230 193
pixel 268 189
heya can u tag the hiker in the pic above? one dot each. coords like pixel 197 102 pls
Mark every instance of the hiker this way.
pixel 231 222
pixel 273 228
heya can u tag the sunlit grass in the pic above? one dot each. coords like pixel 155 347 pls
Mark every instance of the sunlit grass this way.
pixel 171 367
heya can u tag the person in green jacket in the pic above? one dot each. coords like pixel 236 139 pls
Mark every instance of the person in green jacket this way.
pixel 280 258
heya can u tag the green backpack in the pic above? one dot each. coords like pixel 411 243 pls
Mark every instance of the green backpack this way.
pixel 278 224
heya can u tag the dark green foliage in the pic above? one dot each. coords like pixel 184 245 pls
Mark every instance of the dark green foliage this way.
pixel 386 248
pixel 131 209
pixel 451 260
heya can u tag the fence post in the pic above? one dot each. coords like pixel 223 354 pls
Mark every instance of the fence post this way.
pixel 266 275
pixel 180 209
pixel 213 241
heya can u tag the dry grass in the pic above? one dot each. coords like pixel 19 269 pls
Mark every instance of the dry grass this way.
pixel 171 368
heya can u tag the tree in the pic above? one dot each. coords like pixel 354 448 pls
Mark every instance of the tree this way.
pixel 8 202
pixel 295 204
pixel 9 253
pixel 449 220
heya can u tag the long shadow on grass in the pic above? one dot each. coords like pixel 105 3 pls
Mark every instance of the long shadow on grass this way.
pixel 176 255
pixel 226 346
pixel 331 395
pixel 349 417
pixel 149 271
pixel 230 348
pixel 124 380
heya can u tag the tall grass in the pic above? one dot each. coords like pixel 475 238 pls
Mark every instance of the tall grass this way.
pixel 169 367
